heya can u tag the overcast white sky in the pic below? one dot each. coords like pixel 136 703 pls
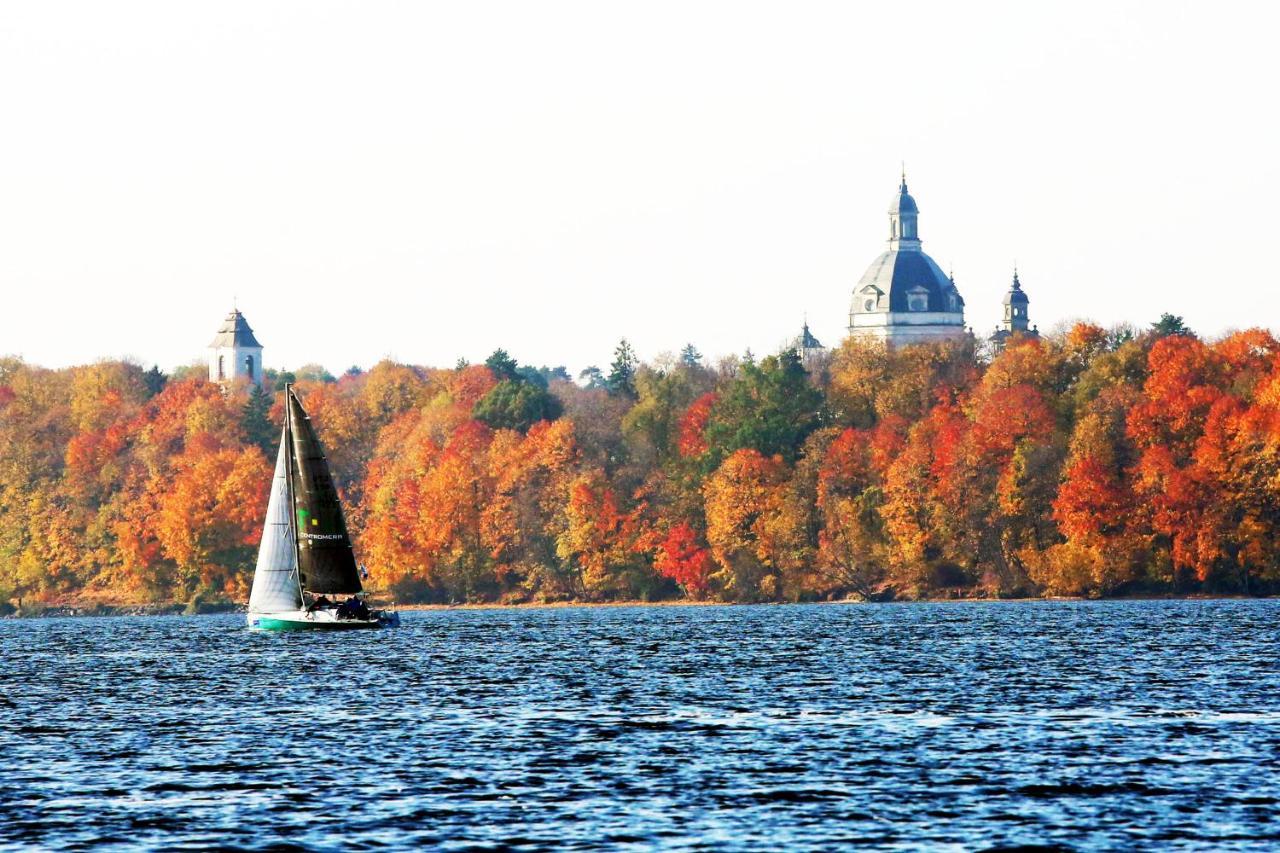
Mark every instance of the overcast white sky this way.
pixel 429 181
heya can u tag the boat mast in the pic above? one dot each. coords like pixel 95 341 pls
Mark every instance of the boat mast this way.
pixel 293 509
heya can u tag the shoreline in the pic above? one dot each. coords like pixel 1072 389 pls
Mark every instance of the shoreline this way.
pixel 178 609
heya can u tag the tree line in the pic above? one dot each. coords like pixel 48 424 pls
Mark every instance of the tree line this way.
pixel 1089 462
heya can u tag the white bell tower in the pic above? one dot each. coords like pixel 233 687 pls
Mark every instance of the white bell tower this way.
pixel 235 353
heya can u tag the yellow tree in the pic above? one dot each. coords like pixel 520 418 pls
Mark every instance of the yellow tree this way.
pixel 741 497
pixel 528 514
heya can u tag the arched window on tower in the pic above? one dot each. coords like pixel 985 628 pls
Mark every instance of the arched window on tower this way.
pixel 248 366
pixel 222 373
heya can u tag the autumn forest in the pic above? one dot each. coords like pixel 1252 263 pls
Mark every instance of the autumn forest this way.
pixel 1090 462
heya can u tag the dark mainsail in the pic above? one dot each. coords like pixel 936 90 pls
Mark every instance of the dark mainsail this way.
pixel 326 562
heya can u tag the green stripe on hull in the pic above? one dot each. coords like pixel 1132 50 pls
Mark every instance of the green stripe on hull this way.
pixel 266 623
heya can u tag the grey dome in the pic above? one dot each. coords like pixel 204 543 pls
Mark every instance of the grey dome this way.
pixel 897 273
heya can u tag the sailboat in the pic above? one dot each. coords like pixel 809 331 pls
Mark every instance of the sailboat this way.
pixel 306 577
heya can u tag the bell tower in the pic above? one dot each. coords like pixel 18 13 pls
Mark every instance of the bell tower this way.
pixel 1015 307
pixel 235 353
pixel 1016 320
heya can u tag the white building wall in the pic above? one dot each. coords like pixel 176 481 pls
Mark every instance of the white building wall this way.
pixel 903 328
pixel 226 364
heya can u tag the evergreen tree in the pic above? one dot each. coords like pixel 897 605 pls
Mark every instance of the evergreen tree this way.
pixel 592 378
pixel 503 366
pixel 622 373
pixel 516 404
pixel 532 375
pixel 255 420
pixel 690 357
pixel 770 408
pixel 155 380
pixel 1170 324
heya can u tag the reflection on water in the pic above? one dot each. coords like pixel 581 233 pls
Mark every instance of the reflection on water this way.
pixel 1081 724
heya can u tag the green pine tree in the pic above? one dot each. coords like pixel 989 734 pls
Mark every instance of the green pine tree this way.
pixel 255 420
pixel 503 365
pixel 622 373
pixel 1170 324
pixel 155 380
pixel 770 407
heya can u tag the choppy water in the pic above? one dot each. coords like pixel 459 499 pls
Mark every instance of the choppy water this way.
pixel 1088 725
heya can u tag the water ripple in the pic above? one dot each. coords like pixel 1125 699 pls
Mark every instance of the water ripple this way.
pixel 1051 724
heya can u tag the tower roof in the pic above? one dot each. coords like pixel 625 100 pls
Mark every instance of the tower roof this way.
pixel 906 269
pixel 1015 296
pixel 903 202
pixel 806 340
pixel 899 273
pixel 235 332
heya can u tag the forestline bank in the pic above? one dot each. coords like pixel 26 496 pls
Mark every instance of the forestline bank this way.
pixel 1085 462
pixel 180 609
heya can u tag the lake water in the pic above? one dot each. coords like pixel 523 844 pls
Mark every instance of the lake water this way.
pixel 1086 725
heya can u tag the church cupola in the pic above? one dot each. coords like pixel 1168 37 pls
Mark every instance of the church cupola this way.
pixel 1015 306
pixel 235 353
pixel 1016 321
pixel 904 297
pixel 904 216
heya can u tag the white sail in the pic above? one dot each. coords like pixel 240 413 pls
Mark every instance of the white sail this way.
pixel 275 580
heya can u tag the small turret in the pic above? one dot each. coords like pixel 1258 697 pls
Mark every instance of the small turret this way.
pixel 1016 320
pixel 1015 306
pixel 806 341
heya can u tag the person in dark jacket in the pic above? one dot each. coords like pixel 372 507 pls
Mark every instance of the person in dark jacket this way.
pixel 353 608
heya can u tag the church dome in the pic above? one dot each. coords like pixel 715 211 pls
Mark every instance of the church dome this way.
pixel 904 296
pixel 906 281
pixel 903 202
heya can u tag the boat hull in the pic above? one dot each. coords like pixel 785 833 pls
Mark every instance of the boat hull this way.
pixel 320 620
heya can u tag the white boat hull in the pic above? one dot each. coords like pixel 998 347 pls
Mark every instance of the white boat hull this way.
pixel 317 620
